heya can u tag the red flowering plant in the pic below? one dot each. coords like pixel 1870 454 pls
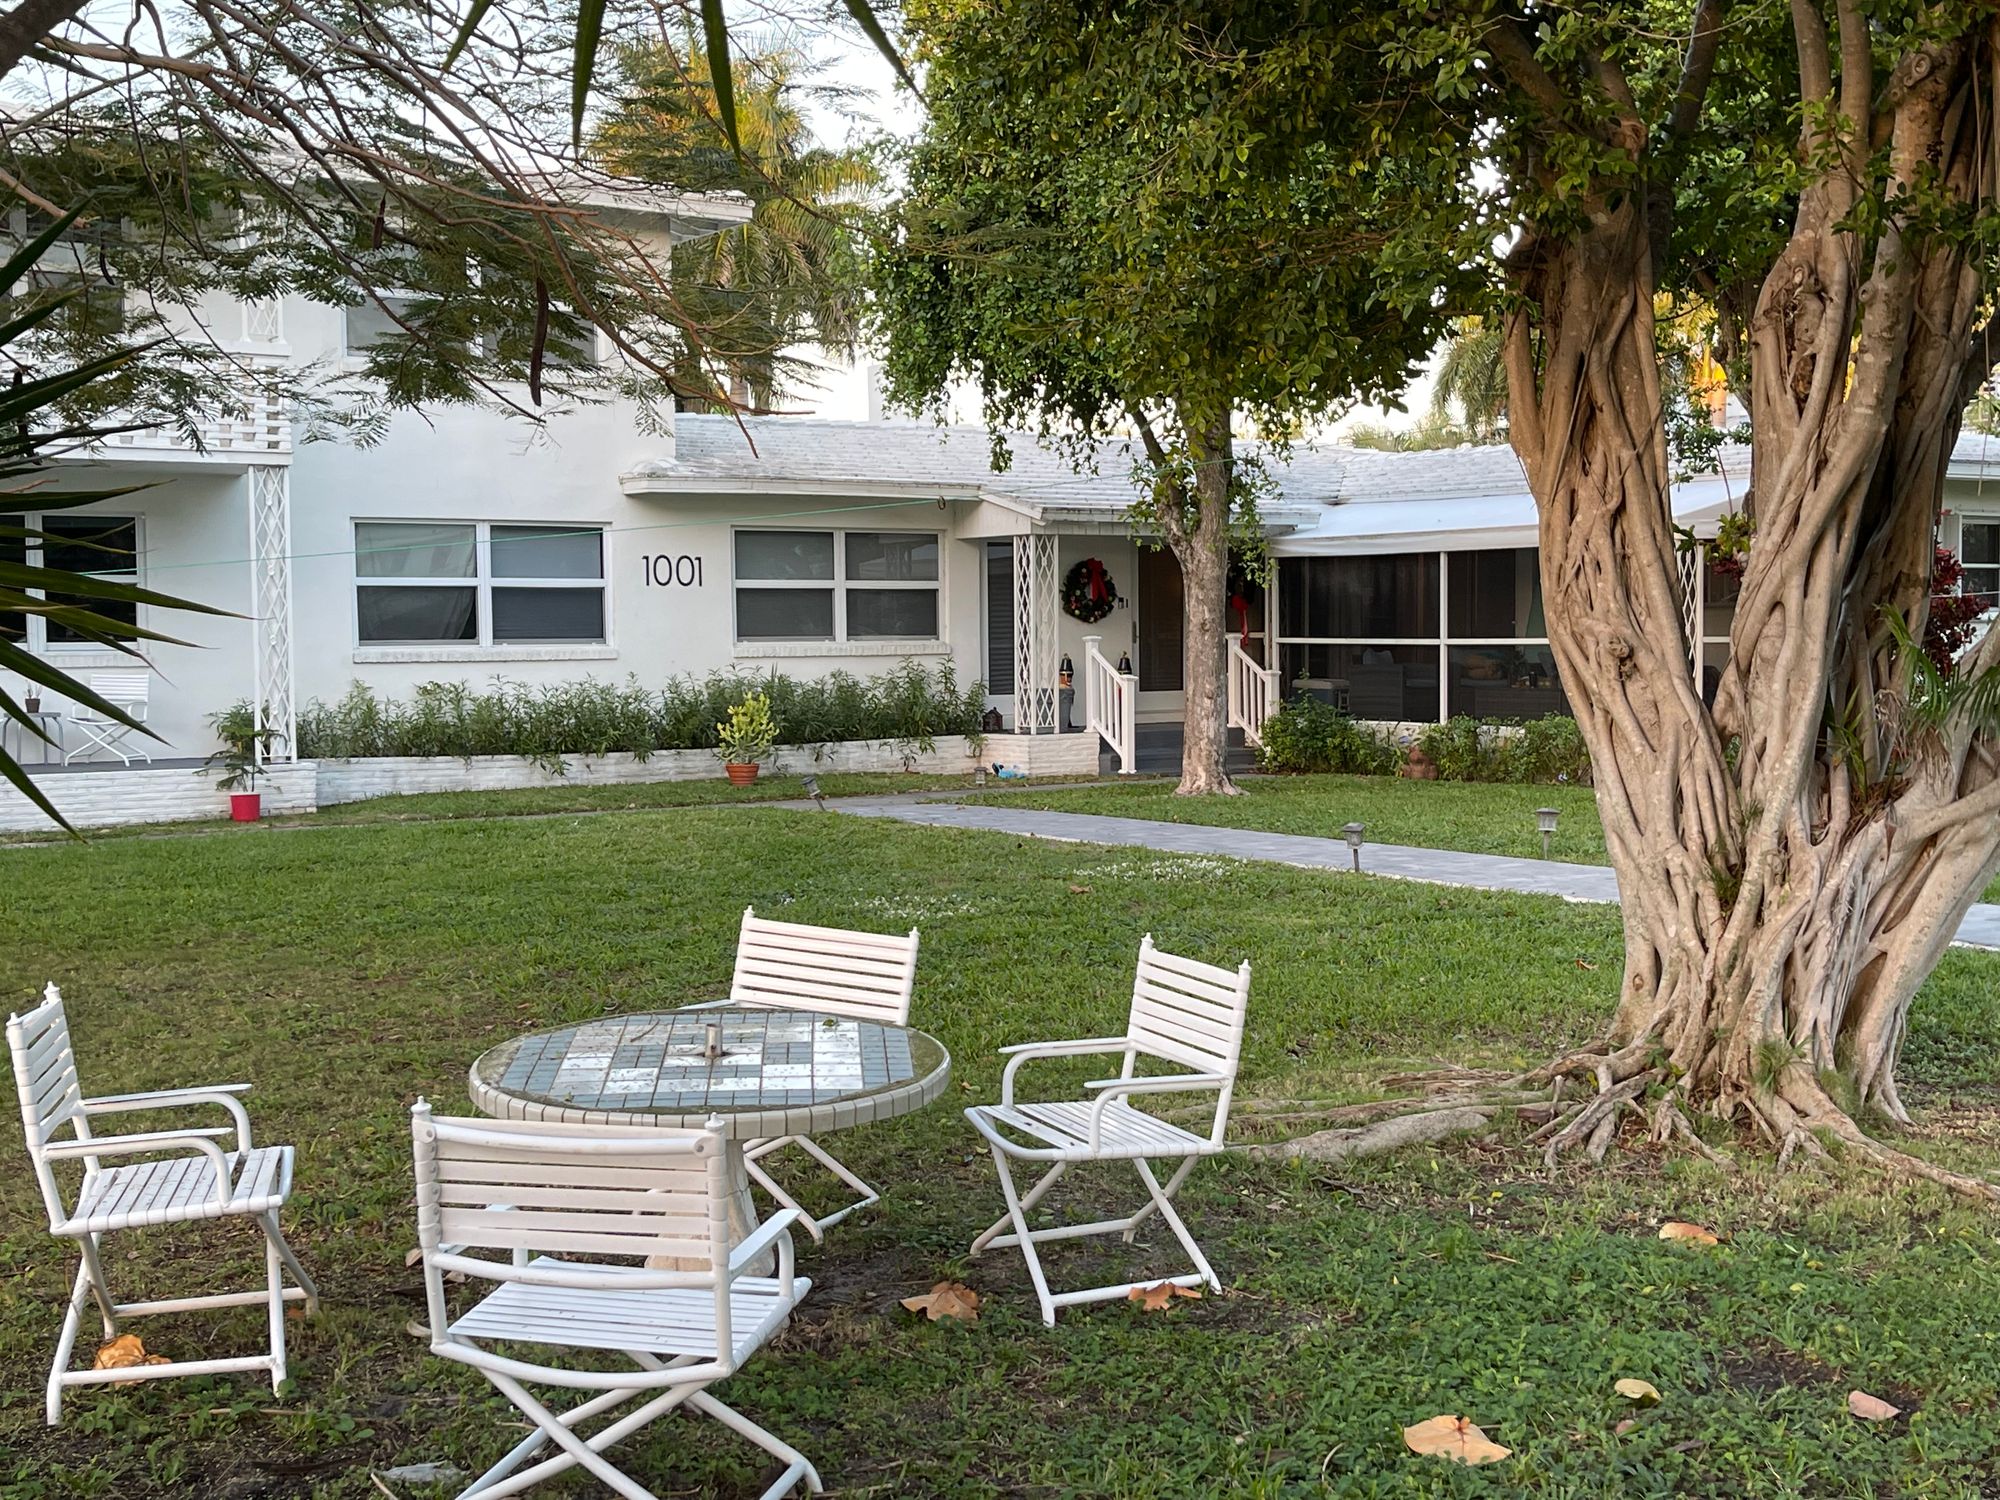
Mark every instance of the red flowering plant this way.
pixel 1953 614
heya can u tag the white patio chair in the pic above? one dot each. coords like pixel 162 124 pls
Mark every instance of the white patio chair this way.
pixel 869 976
pixel 193 1177
pixel 1185 1013
pixel 596 1190
pixel 129 691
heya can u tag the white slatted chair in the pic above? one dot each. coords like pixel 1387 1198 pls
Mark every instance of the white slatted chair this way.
pixel 597 1190
pixel 129 690
pixel 1184 1013
pixel 194 1176
pixel 788 966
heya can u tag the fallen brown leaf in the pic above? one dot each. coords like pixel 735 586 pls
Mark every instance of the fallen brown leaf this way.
pixel 1694 1234
pixel 1584 963
pixel 1625 1426
pixel 948 1299
pixel 1454 1438
pixel 123 1352
pixel 1871 1408
pixel 1079 890
pixel 1160 1295
pixel 1638 1390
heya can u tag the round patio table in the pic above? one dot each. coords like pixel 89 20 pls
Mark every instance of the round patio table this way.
pixel 776 1072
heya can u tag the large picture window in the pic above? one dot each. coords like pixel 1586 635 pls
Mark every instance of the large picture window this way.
pixel 104 546
pixel 1979 551
pixel 836 585
pixel 475 583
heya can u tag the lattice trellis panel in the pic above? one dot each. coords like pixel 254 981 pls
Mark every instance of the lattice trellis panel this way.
pixel 264 321
pixel 271 562
pixel 1691 560
pixel 1036 651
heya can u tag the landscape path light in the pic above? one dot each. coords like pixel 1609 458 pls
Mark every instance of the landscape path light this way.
pixel 1545 820
pixel 1352 832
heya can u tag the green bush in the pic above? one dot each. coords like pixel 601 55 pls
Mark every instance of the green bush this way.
pixel 1545 750
pixel 1309 735
pixel 905 706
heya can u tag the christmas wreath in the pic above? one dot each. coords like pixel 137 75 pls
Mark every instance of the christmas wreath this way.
pixel 1088 593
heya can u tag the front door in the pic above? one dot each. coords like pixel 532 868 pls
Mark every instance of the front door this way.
pixel 1160 623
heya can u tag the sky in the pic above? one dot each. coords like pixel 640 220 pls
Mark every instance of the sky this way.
pixel 875 106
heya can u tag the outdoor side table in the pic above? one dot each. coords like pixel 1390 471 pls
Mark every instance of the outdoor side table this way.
pixel 780 1072
pixel 50 724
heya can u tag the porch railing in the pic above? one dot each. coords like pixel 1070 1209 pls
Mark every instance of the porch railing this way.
pixel 256 427
pixel 1253 693
pixel 1111 704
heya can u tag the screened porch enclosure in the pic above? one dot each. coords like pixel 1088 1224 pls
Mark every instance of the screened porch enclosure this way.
pixel 1416 637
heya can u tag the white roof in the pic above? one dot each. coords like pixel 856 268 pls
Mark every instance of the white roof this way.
pixel 1328 499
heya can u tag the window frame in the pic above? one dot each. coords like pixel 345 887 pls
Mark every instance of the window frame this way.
pixel 1978 518
pixel 482 582
pixel 35 639
pixel 839 586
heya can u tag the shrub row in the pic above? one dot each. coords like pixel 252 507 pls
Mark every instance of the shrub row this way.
pixel 906 706
pixel 1309 735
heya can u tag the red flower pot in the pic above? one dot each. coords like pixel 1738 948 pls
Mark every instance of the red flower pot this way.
pixel 246 807
pixel 740 772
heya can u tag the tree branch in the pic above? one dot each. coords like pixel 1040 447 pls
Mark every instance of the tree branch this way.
pixel 27 23
pixel 1697 68
pixel 1515 54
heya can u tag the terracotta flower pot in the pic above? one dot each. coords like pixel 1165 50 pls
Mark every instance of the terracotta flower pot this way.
pixel 740 772
pixel 246 807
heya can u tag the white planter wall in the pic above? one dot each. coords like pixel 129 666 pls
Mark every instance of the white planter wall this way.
pixel 106 799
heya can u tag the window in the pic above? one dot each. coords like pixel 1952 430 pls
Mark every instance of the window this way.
pixel 106 546
pixel 370 324
pixel 467 583
pixel 836 585
pixel 1979 551
pixel 76 266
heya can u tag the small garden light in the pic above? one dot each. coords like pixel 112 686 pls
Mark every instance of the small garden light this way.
pixel 813 791
pixel 1545 820
pixel 979 775
pixel 1353 832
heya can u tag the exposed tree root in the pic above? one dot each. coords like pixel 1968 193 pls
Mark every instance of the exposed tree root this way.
pixel 1386 1135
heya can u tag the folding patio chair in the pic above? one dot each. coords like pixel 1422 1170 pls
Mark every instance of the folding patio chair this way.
pixel 127 690
pixel 1184 1013
pixel 597 1190
pixel 788 966
pixel 193 1177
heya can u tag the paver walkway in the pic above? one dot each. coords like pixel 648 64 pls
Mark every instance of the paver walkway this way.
pixel 1488 872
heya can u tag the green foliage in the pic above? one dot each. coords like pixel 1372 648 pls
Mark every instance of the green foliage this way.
pixel 1546 750
pixel 1309 735
pixel 906 706
pixel 1472 378
pixel 748 733
pixel 244 744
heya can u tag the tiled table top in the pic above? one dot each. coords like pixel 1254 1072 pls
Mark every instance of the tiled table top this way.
pixel 779 1072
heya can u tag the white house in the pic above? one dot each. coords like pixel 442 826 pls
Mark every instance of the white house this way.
pixel 469 544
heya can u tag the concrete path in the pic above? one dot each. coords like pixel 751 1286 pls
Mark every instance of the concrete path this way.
pixel 1486 872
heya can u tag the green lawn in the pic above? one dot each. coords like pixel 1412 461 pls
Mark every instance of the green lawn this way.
pixel 1477 817
pixel 348 970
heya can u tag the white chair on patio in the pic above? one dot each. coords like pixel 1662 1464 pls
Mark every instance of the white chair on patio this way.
pixel 869 976
pixel 193 1176
pixel 128 690
pixel 1184 1013
pixel 577 1191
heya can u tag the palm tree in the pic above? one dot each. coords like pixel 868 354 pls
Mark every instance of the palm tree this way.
pixel 787 277
pixel 1472 377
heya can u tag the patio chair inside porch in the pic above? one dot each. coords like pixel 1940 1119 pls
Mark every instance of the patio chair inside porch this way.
pixel 127 690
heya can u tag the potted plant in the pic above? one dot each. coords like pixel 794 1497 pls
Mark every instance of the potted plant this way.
pixel 745 738
pixel 240 760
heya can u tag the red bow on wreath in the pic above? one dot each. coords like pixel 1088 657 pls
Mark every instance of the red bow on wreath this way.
pixel 1095 579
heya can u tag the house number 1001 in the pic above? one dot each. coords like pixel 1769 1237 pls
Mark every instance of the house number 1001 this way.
pixel 664 570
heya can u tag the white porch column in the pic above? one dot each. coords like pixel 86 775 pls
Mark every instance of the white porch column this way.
pixel 272 698
pixel 1036 699
pixel 1694 599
